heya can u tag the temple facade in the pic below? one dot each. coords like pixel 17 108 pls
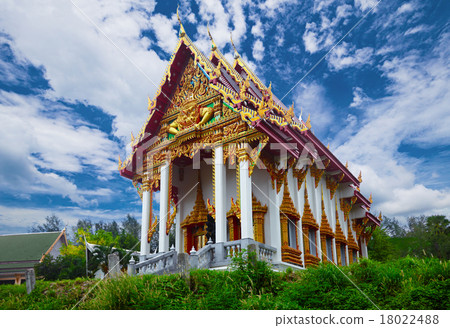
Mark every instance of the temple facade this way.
pixel 235 167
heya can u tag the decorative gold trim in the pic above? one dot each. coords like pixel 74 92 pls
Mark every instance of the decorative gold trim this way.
pixel 258 212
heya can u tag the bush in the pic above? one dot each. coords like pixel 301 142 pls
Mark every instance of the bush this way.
pixel 62 267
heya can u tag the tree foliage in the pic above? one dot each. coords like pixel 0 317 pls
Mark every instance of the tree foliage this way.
pixel 52 223
pixel 421 237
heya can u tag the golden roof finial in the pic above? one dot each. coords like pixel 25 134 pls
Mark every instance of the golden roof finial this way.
pixel 328 146
pixel 380 217
pixel 150 103
pixel 213 47
pixel 182 31
pixel 236 54
pixel 360 177
pixel 346 165
pixel 308 122
pixel 290 115
pixel 132 137
pixel 370 198
pixel 120 163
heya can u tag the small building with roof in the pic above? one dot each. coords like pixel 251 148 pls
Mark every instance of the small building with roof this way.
pixel 21 252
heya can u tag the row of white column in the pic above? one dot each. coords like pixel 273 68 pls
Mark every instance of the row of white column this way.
pixel 245 186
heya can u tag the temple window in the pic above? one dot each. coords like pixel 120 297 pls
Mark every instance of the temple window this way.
pixel 312 242
pixel 329 244
pixel 292 233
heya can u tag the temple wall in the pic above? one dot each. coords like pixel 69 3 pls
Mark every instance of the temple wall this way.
pixel 207 181
pixel 231 188
pixel 261 191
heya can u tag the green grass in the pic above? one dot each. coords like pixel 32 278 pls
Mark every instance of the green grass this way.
pixel 407 283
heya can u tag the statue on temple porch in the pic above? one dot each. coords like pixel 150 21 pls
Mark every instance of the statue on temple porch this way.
pixel 190 114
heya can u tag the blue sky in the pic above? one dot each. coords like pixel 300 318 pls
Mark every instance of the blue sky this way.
pixel 75 77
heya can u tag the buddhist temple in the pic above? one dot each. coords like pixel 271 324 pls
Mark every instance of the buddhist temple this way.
pixel 224 152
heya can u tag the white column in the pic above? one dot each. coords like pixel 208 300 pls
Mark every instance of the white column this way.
pixel 301 204
pixel 364 248
pixel 245 190
pixel 220 191
pixel 347 260
pixel 163 206
pixel 145 245
pixel 274 222
pixel 179 246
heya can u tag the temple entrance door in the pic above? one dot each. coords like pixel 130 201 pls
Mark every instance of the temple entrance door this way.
pixel 199 234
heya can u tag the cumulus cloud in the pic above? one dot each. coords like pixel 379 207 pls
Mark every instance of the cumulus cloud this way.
pixel 258 50
pixel 415 113
pixel 312 98
pixel 115 72
pixel 365 4
pixel 346 55
pixel 360 99
pixel 42 143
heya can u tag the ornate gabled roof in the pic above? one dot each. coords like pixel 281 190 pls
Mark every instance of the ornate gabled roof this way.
pixel 244 93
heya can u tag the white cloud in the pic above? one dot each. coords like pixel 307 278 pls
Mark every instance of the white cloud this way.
pixel 165 32
pixel 271 8
pixel 258 50
pixel 81 63
pixel 365 4
pixel 405 8
pixel 344 56
pixel 415 113
pixel 257 29
pixel 416 29
pixel 321 5
pixel 360 99
pixel 313 100
pixel 39 141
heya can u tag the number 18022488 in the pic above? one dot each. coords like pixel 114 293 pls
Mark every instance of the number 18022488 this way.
pixel 409 319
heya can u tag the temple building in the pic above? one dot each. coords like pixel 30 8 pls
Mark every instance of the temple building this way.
pixel 235 167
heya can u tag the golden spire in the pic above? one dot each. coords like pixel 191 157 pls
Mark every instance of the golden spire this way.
pixel 214 47
pixel 290 115
pixel 360 177
pixel 120 163
pixel 346 165
pixel 328 146
pixel 132 137
pixel 370 198
pixel 308 122
pixel 217 72
pixel 380 217
pixel 236 54
pixel 182 31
